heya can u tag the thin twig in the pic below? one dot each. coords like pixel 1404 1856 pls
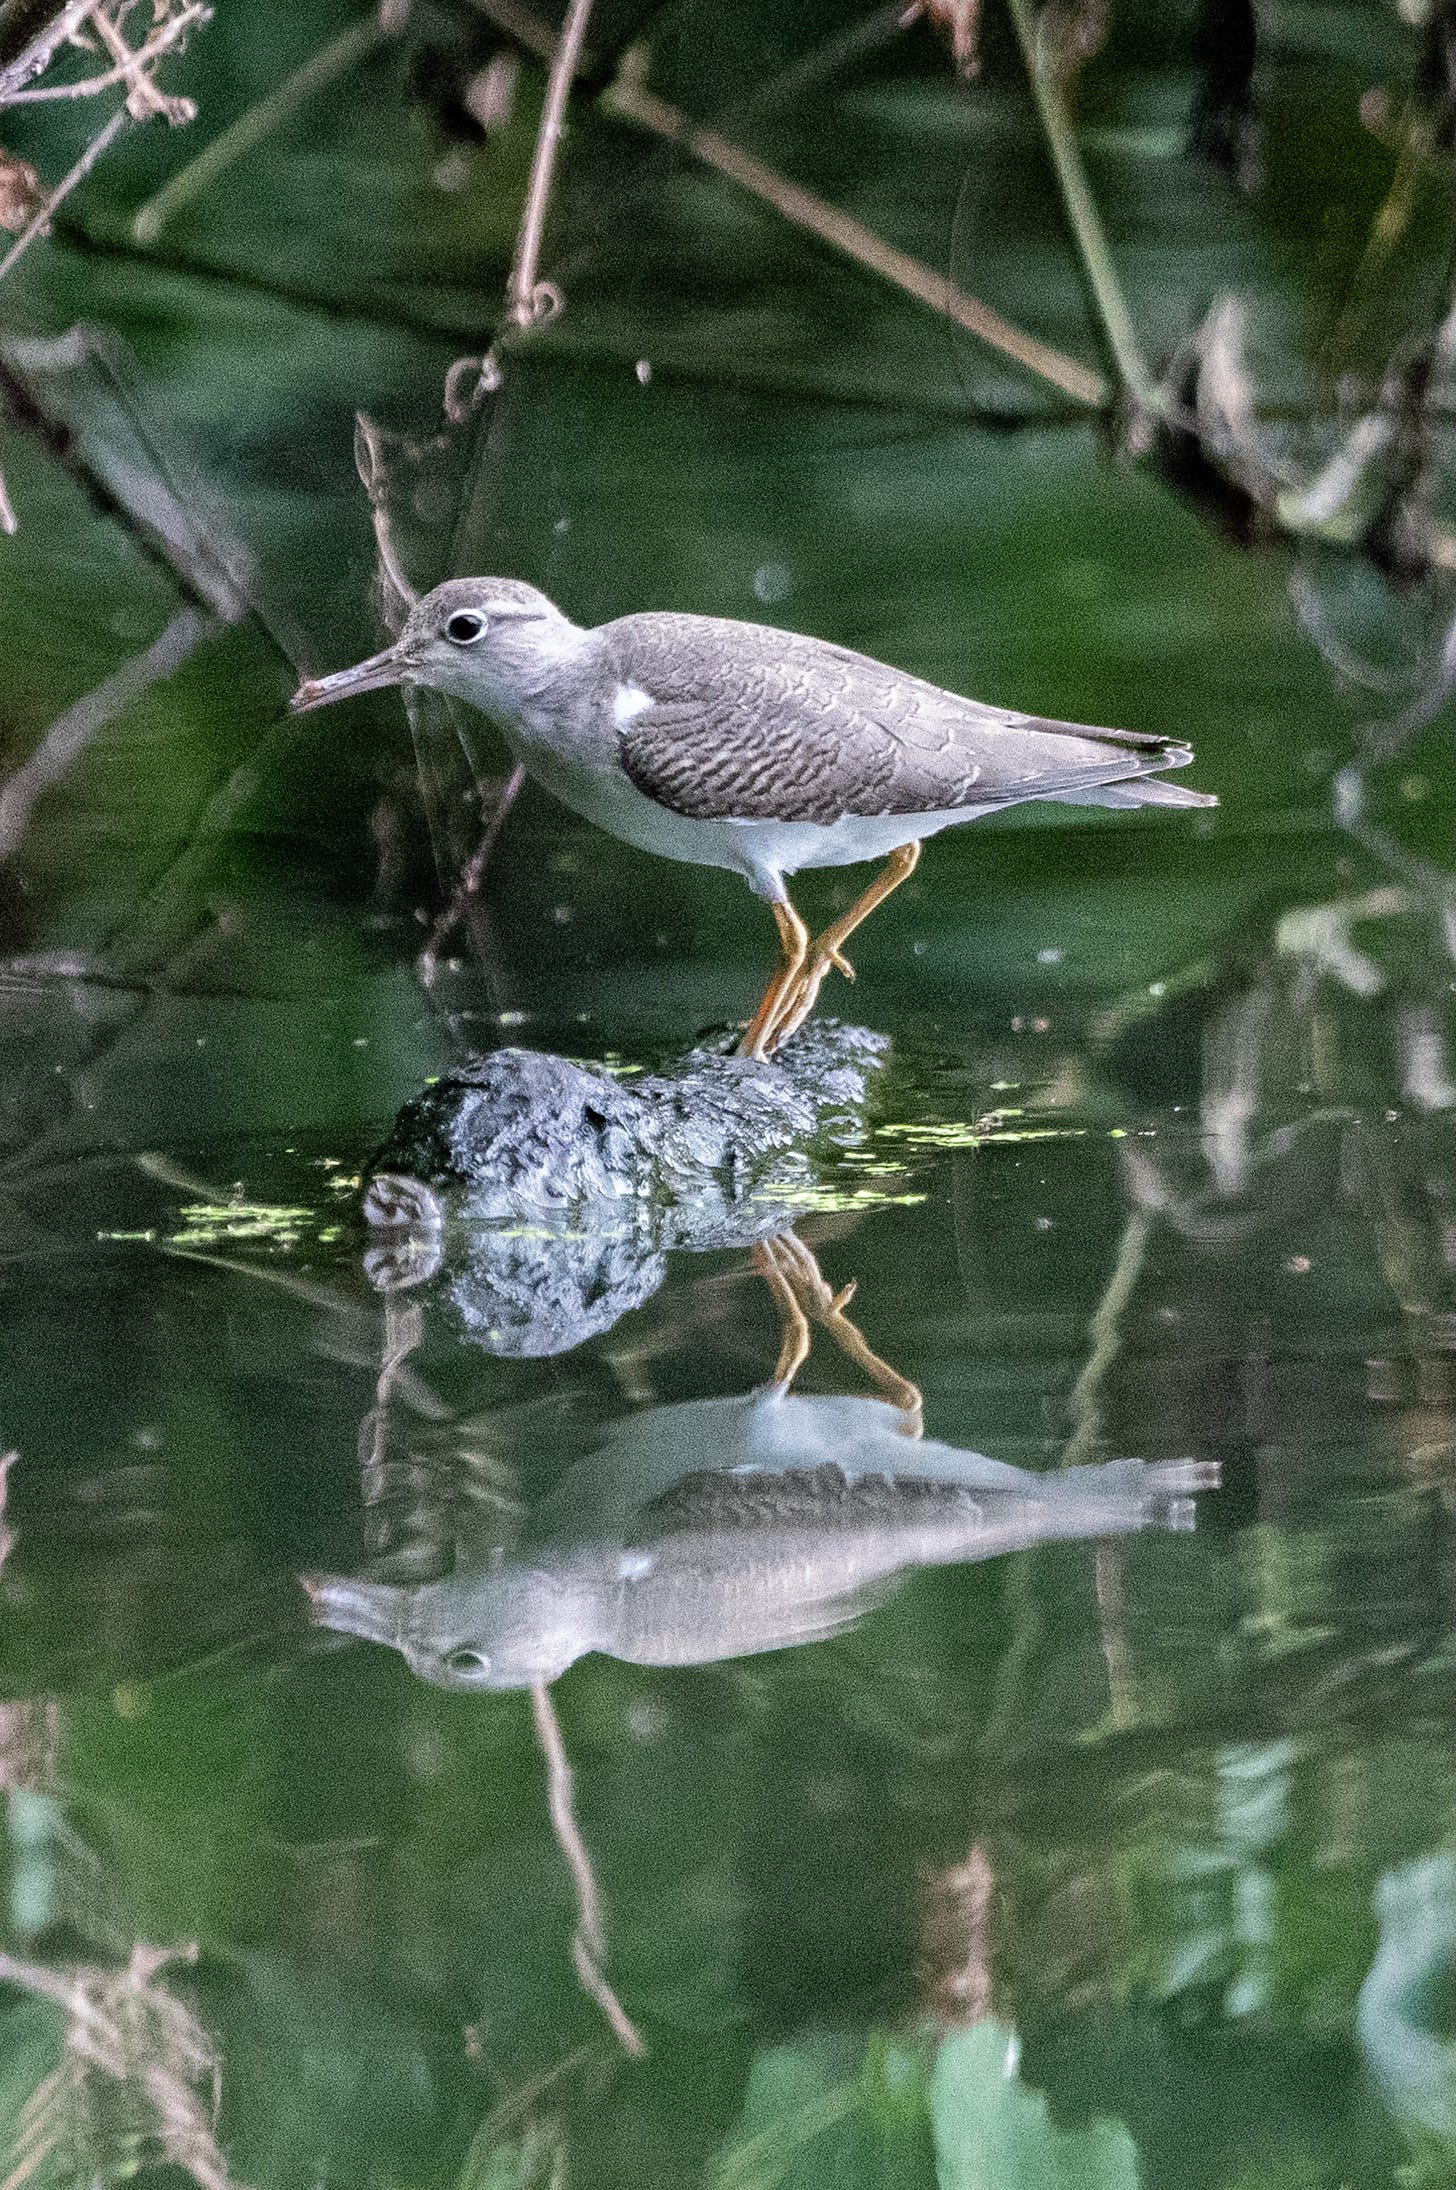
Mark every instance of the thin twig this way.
pixel 369 464
pixel 472 874
pixel 41 219
pixel 525 303
pixel 632 102
pixel 143 99
pixel 404 1328
pixel 1112 1636
pixel 530 302
pixel 1082 213
pixel 589 1944
pixel 331 61
pixel 7 1535
pixel 35 57
pixel 125 70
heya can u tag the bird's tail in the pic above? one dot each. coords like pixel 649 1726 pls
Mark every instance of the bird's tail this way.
pixel 1142 791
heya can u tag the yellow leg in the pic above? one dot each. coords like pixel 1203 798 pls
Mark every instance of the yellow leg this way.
pixel 793 950
pixel 802 1278
pixel 827 949
pixel 794 1345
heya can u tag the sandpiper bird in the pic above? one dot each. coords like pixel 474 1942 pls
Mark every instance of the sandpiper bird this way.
pixel 734 745
pixel 714 1528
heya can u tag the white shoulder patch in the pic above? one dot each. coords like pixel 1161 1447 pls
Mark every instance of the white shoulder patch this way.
pixel 629 700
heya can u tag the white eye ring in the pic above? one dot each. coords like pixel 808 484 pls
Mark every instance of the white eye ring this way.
pixel 468 1661
pixel 464 627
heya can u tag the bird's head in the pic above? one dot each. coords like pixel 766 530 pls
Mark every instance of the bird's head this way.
pixel 493 1627
pixel 491 641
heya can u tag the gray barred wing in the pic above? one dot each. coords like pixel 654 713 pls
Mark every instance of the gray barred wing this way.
pixel 751 724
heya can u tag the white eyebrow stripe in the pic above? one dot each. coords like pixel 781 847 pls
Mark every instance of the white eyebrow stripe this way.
pixel 629 700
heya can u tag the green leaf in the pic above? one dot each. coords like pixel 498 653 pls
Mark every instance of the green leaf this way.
pixel 991 2133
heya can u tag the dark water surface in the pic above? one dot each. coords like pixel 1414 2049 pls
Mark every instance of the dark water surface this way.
pixel 879 1819
pixel 1105 1860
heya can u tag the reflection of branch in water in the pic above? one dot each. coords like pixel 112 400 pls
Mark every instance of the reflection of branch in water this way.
pixel 1085 1406
pixel 1233 1064
pixel 955 1935
pixel 30 1746
pixel 7 1535
pixel 71 732
pixel 1318 627
pixel 130 2042
pixel 589 1945
pixel 1112 1635
pixel 472 874
pixel 404 1327
pixel 1432 883
pixel 630 99
pixel 1105 1331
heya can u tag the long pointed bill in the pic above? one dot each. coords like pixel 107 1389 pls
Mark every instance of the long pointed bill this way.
pixel 373 1610
pixel 345 684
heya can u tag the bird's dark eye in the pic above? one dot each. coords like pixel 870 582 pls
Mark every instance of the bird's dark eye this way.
pixel 464 627
pixel 467 1661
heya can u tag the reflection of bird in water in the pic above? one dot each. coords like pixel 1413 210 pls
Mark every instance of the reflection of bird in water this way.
pixel 731 745
pixel 720 1527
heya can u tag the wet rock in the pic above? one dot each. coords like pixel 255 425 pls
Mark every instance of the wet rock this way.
pixel 544 1193
pixel 525 1132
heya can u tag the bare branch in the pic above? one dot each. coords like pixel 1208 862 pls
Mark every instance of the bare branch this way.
pixel 472 874
pixel 629 99
pixel 1105 1330
pixel 38 54
pixel 530 302
pixel 143 99
pixel 1082 213
pixel 129 62
pixel 522 303
pixel 104 137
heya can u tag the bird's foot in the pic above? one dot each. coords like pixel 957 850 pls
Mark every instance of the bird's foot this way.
pixel 800 1276
pixel 791 998
pixel 802 997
